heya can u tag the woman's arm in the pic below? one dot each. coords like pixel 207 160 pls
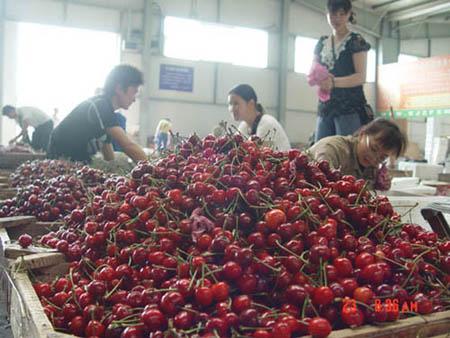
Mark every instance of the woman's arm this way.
pixel 356 79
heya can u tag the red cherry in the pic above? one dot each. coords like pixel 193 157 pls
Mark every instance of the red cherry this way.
pixel 220 291
pixel 344 266
pixel 204 296
pixel 154 319
pixel 364 259
pixel 25 240
pixel 352 318
pixel 323 296
pixel 95 328
pixel 319 327
pixel 274 218
pixel 232 270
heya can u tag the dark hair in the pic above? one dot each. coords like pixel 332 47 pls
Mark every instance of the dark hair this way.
pixel 123 75
pixel 247 93
pixel 346 5
pixel 388 135
pixel 8 109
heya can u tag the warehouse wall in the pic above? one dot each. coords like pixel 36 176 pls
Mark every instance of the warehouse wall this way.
pixel 202 109
pixel 423 48
pixel 301 99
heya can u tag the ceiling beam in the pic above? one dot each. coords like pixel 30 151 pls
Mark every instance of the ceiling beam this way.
pixel 421 10
pixel 385 5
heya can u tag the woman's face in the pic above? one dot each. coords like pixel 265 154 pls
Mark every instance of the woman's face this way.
pixel 370 151
pixel 238 107
pixel 339 19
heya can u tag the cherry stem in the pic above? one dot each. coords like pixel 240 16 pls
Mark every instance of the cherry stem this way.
pixel 292 253
pixel 114 289
pixel 266 265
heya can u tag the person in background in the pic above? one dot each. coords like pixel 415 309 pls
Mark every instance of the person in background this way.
pixel 123 124
pixel 243 104
pixel 55 116
pixel 220 129
pixel 363 154
pixel 31 117
pixel 93 124
pixel 162 134
pixel 344 53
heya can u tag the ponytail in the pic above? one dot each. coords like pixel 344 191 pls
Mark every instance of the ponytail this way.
pixel 352 19
pixel 259 108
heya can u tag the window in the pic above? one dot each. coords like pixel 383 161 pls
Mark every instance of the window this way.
pixel 371 65
pixel 200 41
pixel 402 58
pixel 58 67
pixel 304 54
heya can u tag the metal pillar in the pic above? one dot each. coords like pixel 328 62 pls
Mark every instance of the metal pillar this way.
pixel 2 57
pixel 144 120
pixel 283 61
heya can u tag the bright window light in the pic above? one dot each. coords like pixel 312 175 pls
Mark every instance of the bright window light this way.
pixel 200 41
pixel 371 66
pixel 58 67
pixel 304 54
pixel 402 58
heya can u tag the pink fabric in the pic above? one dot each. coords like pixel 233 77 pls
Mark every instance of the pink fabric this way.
pixel 317 74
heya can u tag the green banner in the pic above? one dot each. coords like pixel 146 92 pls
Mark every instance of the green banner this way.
pixel 408 113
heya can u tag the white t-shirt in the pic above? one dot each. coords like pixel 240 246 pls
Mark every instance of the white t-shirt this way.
pixel 270 130
pixel 34 116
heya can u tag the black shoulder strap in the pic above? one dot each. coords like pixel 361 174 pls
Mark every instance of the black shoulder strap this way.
pixel 332 48
pixel 255 124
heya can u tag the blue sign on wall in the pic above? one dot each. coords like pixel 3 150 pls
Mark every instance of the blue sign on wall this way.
pixel 172 77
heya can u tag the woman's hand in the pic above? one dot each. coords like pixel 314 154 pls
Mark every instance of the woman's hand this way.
pixel 327 84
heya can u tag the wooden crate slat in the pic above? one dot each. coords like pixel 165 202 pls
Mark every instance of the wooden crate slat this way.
pixel 428 326
pixel 38 261
pixel 4 240
pixel 59 335
pixel 13 251
pixel 4 179
pixel 8 193
pixel 13 221
pixel 33 229
pixel 32 322
pixel 13 160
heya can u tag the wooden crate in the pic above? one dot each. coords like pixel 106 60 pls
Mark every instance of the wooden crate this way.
pixel 27 316
pixel 414 327
pixel 5 172
pixel 4 179
pixel 7 192
pixel 12 227
pixel 13 160
pixel 46 266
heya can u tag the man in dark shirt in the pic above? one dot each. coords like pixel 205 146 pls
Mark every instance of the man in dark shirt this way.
pixel 93 124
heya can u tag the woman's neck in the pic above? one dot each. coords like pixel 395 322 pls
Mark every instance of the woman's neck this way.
pixel 341 33
pixel 252 117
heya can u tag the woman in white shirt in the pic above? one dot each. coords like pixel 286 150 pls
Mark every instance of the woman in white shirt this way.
pixel 243 104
